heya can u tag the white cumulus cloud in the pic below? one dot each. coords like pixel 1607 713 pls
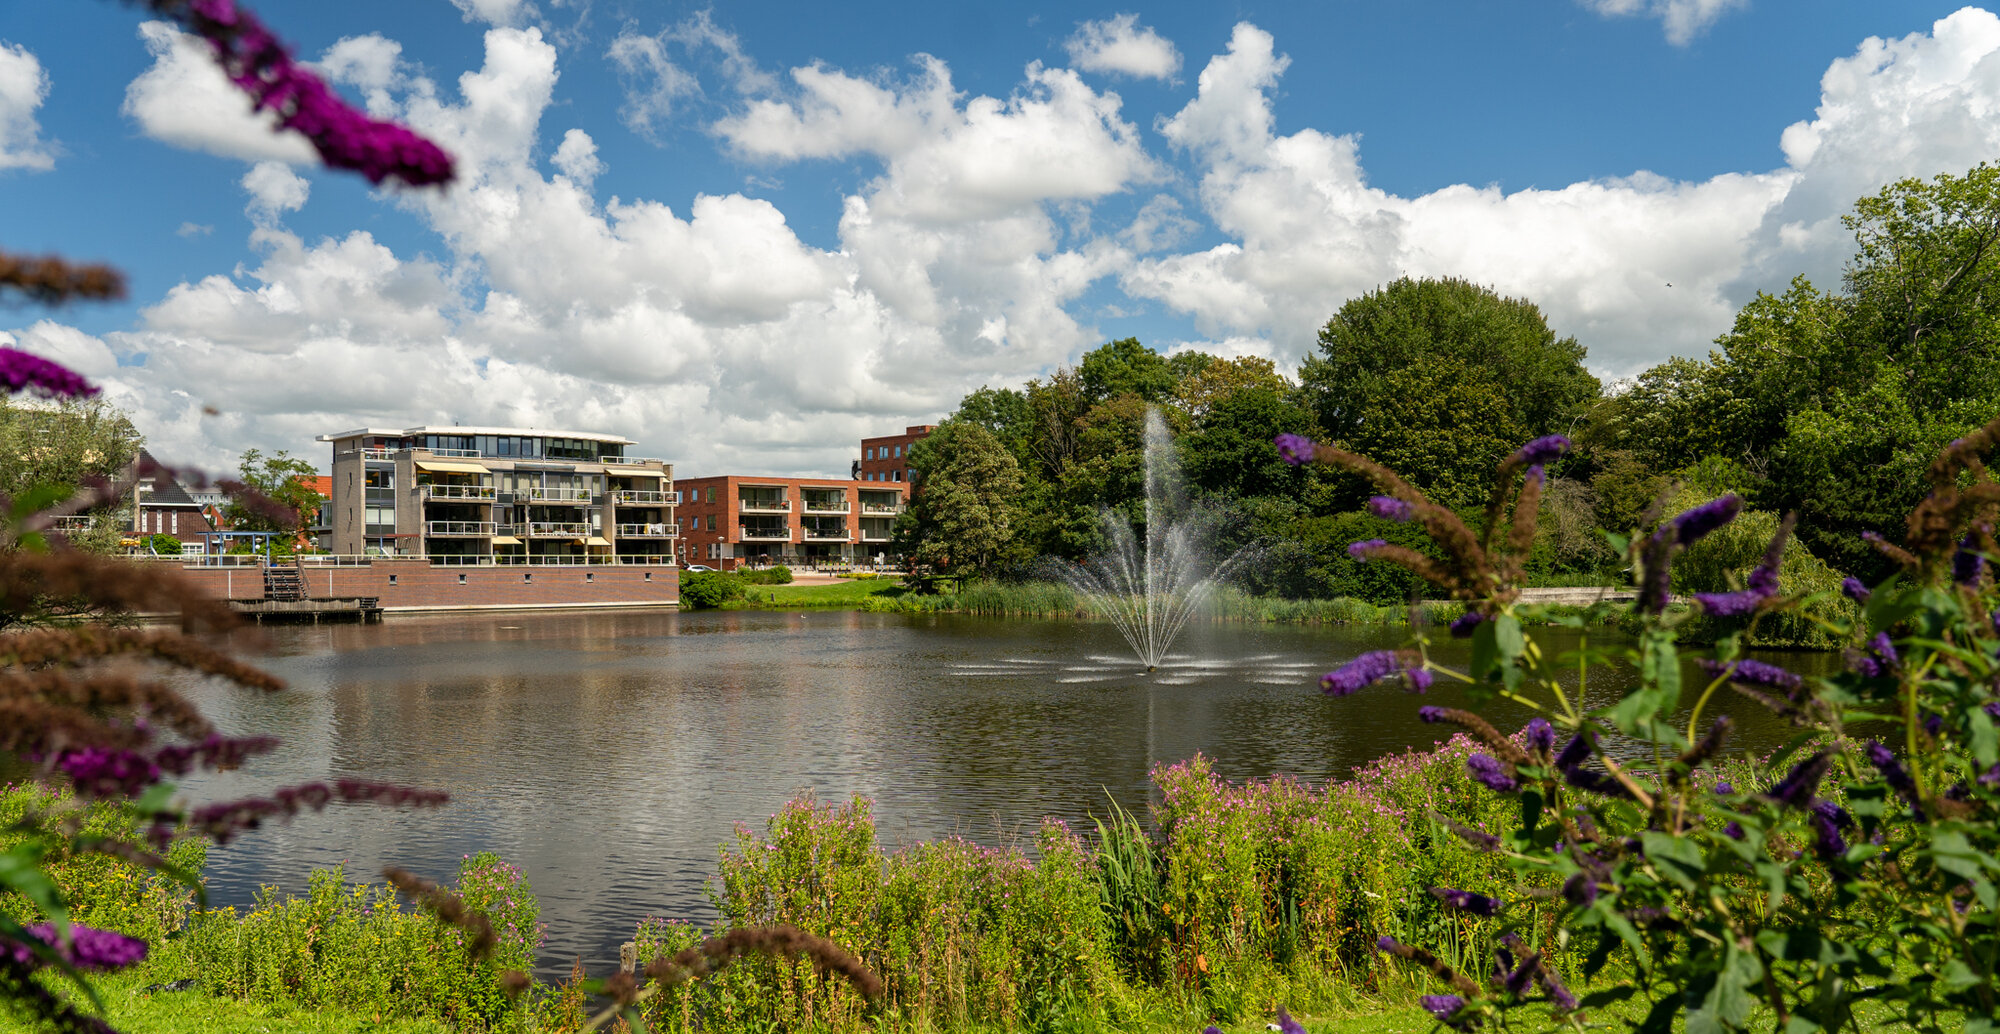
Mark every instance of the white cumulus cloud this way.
pixel 1683 20
pixel 1121 45
pixel 185 100
pixel 24 85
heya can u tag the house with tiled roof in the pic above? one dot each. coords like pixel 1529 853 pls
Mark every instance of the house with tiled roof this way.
pixel 164 507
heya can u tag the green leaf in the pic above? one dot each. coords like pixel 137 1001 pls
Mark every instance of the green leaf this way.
pixel 1484 651
pixel 1531 813
pixel 1985 741
pixel 1677 857
pixel 1955 855
pixel 21 871
pixel 1508 638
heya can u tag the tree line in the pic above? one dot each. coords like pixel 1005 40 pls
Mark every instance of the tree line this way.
pixel 1819 401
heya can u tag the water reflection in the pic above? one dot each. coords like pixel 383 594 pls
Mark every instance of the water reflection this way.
pixel 610 754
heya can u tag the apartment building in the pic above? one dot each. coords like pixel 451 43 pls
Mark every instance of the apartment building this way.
pixel 888 458
pixel 731 521
pixel 499 495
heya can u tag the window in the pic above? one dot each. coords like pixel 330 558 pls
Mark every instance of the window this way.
pixel 711 493
pixel 899 450
pixel 461 579
pixel 868 453
pixel 899 475
pixel 711 522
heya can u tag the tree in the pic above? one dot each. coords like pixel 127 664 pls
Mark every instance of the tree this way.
pixel 50 450
pixel 961 517
pixel 1439 379
pixel 1005 412
pixel 283 480
pixel 1126 367
pixel 1218 379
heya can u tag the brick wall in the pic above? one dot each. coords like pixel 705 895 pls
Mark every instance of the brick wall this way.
pixel 415 585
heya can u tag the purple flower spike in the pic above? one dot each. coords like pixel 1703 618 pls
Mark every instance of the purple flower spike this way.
pixel 1796 790
pixel 1894 773
pixel 1966 564
pixel 1885 648
pixel 1430 714
pixel 1295 448
pixel 1420 680
pixel 1574 753
pixel 1287 1025
pixel 89 948
pixel 1546 449
pixel 1579 890
pixel 1444 1007
pixel 1211 1030
pixel 1558 994
pixel 1755 673
pixel 1361 550
pixel 1827 839
pixel 1391 508
pixel 1731 604
pixel 1853 589
pixel 1467 901
pixel 1724 789
pixel 23 371
pixel 1491 773
pixel 105 772
pixel 1734 830
pixel 1359 672
pixel 1540 735
pixel 1461 626
pixel 1991 776
pixel 1692 525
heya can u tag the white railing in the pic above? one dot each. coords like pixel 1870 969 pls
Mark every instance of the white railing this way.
pixel 547 529
pixel 372 453
pixel 541 494
pixel 825 533
pixel 460 559
pixel 458 491
pixel 459 529
pixel 337 559
pixel 767 534
pixel 875 536
pixel 464 453
pixel 764 505
pixel 881 507
pixel 642 497
pixel 647 531
pixel 634 461
pixel 826 506
pixel 578 560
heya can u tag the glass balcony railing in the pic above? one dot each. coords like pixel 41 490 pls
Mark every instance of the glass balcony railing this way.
pixel 557 529
pixel 459 529
pixel 647 531
pixel 457 491
pixel 544 494
pixel 640 497
pixel 753 505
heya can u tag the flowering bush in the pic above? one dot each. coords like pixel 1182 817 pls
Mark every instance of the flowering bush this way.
pixel 1865 873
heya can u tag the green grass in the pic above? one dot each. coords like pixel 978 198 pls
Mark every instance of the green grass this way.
pixel 130 1009
pixel 844 593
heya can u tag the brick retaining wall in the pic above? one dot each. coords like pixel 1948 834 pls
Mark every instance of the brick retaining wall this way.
pixel 415 585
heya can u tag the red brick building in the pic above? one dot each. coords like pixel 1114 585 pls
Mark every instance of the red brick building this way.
pixel 735 520
pixel 888 458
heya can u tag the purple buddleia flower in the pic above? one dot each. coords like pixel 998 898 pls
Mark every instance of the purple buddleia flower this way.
pixel 1361 550
pixel 1991 776
pixel 1967 564
pixel 1895 774
pixel 1523 976
pixel 1798 787
pixel 89 948
pixel 1854 590
pixel 108 772
pixel 1478 839
pixel 1467 901
pixel 1692 525
pixel 1558 994
pixel 1574 753
pixel 1885 648
pixel 1295 448
pixel 1933 724
pixel 1733 830
pixel 1359 672
pixel 1826 838
pixel 1491 773
pixel 1287 1025
pixel 1737 604
pixel 23 371
pixel 1580 890
pixel 1539 735
pixel 1992 709
pixel 1537 475
pixel 1211 1030
pixel 1833 813
pixel 1420 680
pixel 1461 626
pixel 1431 714
pixel 1754 673
pixel 1391 508
pixel 1546 449
pixel 1444 1007
pixel 1724 789
pixel 1595 782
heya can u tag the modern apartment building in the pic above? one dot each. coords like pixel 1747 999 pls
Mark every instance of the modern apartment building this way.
pixel 499 495
pixel 733 520
pixel 888 458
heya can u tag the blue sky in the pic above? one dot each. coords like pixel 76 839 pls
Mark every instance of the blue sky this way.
pixel 748 234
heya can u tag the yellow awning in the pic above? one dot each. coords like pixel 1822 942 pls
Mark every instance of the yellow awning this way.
pixel 506 540
pixel 441 467
pixel 598 540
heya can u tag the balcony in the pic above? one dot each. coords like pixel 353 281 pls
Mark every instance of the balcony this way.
pixel 647 531
pixel 755 534
pixel 458 492
pixel 836 534
pixel 446 453
pixel 882 508
pixel 561 496
pixel 377 455
pixel 748 505
pixel 636 497
pixel 459 529
pixel 632 461
pixel 826 505
pixel 557 529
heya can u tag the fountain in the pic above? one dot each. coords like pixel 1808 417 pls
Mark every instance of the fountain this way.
pixel 1151 589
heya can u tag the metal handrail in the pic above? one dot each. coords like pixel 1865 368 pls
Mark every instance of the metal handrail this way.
pixel 475 529
pixel 826 533
pixel 458 491
pixel 822 506
pixel 541 529
pixel 746 505
pixel 337 559
pixel 535 494
pixel 767 534
pixel 632 461
pixel 881 507
pixel 640 495
pixel 463 453
pixel 656 530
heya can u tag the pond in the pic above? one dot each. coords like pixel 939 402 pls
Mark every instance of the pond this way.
pixel 610 754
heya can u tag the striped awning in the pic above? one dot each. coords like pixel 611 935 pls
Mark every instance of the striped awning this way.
pixel 441 467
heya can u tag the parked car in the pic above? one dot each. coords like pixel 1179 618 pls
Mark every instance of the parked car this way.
pixel 697 567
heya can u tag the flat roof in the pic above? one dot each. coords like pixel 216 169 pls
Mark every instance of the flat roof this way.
pixel 526 432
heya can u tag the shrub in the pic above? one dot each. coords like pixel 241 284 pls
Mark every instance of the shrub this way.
pixel 779 575
pixel 102 890
pixel 704 589
pixel 164 545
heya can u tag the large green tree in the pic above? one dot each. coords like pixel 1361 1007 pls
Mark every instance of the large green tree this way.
pixel 1439 379
pixel 960 519
pixel 1126 367
pixel 282 479
pixel 48 450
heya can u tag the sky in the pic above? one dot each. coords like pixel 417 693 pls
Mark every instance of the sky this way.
pixel 748 235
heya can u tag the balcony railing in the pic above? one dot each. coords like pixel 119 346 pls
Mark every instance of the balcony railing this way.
pixel 640 497
pixel 751 534
pixel 882 508
pixel 377 454
pixel 459 529
pixel 557 529
pixel 465 453
pixel 458 491
pixel 826 506
pixel 827 533
pixel 876 536
pixel 747 505
pixel 632 461
pixel 542 494
pixel 647 531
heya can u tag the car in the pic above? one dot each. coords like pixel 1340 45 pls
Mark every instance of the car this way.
pixel 697 567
